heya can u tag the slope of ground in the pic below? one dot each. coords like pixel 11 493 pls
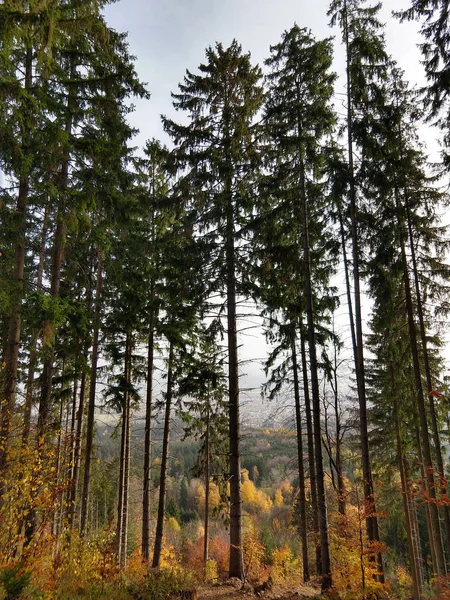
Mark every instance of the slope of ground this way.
pixel 232 590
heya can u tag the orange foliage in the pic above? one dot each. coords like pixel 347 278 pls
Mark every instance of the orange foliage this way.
pixel 219 550
pixel 354 564
pixel 254 552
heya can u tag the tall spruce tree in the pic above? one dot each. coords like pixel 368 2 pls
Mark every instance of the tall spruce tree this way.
pixel 23 63
pixel 366 63
pixel 298 118
pixel 158 216
pixel 217 154
pixel 404 226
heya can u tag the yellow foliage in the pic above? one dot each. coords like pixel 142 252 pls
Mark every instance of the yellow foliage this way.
pixel 214 495
pixel 169 559
pixel 211 571
pixel 278 500
pixel 73 568
pixel 255 501
pixel 173 525
pixel 199 496
pixel 286 489
pixel 171 563
pixel 248 491
pixel 284 565
pixel 353 571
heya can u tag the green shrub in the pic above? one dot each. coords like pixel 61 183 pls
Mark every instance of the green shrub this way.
pixel 14 580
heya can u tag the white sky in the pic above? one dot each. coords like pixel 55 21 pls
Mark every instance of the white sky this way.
pixel 169 36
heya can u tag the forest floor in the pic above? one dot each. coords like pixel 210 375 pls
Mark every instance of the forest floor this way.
pixel 232 590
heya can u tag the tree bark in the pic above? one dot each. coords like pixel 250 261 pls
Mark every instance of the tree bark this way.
pixel 301 468
pixel 123 540
pixel 148 445
pixel 327 580
pixel 410 517
pixel 207 490
pixel 92 387
pixel 164 463
pixel 311 459
pixel 429 489
pixel 76 454
pixel 236 539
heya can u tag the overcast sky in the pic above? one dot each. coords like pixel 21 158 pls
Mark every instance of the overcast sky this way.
pixel 169 36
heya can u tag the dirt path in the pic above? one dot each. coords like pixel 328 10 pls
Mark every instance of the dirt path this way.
pixel 233 591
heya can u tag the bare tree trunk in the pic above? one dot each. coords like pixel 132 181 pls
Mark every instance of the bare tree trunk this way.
pixel 236 538
pixel 327 581
pixel 433 523
pixel 59 460
pixel 311 459
pixel 123 554
pixel 148 445
pixel 423 337
pixel 73 488
pixel 92 388
pixel 207 490
pixel 119 529
pixel 342 494
pixel 164 463
pixel 301 467
pixel 410 518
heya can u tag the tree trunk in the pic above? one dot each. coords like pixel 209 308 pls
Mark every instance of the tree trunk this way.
pixel 123 541
pixel 164 463
pixel 433 523
pixel 92 388
pixel 207 490
pixel 148 445
pixel 410 518
pixel 59 460
pixel 301 468
pixel 311 459
pixel 119 529
pixel 73 488
pixel 342 494
pixel 423 337
pixel 358 352
pixel 236 539
pixel 327 581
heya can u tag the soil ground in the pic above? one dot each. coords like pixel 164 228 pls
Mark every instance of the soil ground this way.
pixel 232 590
